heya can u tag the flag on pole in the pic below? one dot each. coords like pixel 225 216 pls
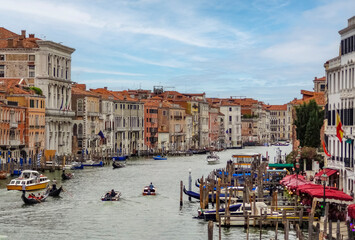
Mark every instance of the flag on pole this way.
pixel 101 134
pixel 325 149
pixel 61 106
pixel 39 156
pixel 340 131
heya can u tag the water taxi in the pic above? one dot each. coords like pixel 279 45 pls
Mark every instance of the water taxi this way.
pixel 245 160
pixel 32 179
pixel 212 158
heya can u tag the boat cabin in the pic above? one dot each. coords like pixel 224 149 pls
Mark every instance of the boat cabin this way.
pixel 246 160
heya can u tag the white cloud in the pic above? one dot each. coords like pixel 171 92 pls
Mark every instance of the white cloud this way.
pixel 97 71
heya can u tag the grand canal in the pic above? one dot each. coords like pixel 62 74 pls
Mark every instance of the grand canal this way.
pixel 79 213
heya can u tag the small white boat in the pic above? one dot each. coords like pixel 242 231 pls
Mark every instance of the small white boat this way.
pixel 32 179
pixel 213 158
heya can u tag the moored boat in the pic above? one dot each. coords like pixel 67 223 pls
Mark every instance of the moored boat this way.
pixel 160 158
pixel 245 160
pixel 31 179
pixel 4 174
pixel 91 163
pixel 34 199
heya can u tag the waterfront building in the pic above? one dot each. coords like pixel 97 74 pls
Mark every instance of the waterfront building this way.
pixel 177 127
pixel 214 126
pixel 151 125
pixel 231 123
pixel 46 65
pixel 280 122
pixel 340 91
pixel 128 123
pixel 163 126
pixel 34 104
pixel 12 125
pixel 86 124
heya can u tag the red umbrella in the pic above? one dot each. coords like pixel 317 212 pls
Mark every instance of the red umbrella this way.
pixel 329 193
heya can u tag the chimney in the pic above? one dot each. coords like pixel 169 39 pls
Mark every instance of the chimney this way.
pixel 31 35
pixel 10 43
pixel 23 33
pixel 105 88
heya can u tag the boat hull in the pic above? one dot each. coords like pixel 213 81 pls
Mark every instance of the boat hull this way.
pixel 34 187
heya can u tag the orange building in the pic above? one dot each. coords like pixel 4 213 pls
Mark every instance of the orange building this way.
pixel 151 124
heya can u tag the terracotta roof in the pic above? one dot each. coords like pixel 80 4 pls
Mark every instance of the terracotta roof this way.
pixel 319 79
pixel 80 89
pixel 11 86
pixel 308 95
pixel 278 107
pixel 18 41
pixel 117 95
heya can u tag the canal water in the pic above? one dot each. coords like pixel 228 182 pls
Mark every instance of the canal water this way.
pixel 80 214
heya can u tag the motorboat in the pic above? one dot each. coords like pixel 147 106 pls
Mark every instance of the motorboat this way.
pixel 149 190
pixel 108 196
pixel 245 160
pixel 208 214
pixel 212 158
pixel 160 158
pixel 33 180
pixel 32 199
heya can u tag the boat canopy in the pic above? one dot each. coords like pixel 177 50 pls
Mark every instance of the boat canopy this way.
pixel 280 165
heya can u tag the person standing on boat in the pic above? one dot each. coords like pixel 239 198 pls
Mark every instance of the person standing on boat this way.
pixel 23 187
pixel 54 184
pixel 113 193
pixel 151 186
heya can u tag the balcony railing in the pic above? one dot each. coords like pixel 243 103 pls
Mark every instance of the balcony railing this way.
pixel 14 142
pixel 13 124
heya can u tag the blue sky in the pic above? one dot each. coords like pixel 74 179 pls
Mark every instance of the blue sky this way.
pixel 268 50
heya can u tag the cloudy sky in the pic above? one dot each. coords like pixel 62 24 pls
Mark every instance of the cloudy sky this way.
pixel 265 49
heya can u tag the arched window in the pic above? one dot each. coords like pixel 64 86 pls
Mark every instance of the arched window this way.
pixel 75 130
pixel 80 130
pixel 80 105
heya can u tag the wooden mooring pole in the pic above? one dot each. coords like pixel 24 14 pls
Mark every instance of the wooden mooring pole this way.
pixel 210 230
pixel 181 190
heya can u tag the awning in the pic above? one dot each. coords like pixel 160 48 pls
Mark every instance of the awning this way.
pixel 328 171
pixel 329 194
pixel 351 211
pixel 288 178
pixel 280 165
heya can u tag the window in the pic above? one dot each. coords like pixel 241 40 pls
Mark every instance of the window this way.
pixel 32 103
pixel 31 58
pixel 230 109
pixel 230 118
pixel 2 70
pixel 80 106
pixel 2 57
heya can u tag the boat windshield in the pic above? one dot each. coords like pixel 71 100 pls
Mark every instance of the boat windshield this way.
pixel 26 175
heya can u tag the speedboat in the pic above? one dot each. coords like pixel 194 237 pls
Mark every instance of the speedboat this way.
pixel 148 190
pixel 213 158
pixel 160 158
pixel 32 180
pixel 108 197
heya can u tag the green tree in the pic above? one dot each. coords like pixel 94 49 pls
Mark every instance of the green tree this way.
pixel 308 122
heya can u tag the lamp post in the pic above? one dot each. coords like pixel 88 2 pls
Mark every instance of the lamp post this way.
pixel 324 178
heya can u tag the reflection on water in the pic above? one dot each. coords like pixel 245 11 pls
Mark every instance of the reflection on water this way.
pixel 79 213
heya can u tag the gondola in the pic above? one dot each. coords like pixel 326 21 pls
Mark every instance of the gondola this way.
pixel 67 176
pixel 197 195
pixel 33 200
pixel 118 164
pixel 55 192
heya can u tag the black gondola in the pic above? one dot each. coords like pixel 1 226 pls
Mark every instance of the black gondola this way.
pixel 67 176
pixel 55 192
pixel 118 165
pixel 33 200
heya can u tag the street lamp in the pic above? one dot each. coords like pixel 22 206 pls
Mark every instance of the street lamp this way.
pixel 324 178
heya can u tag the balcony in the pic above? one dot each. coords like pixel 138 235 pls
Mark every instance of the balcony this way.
pixel 59 113
pixel 15 142
pixel 37 144
pixel 13 124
